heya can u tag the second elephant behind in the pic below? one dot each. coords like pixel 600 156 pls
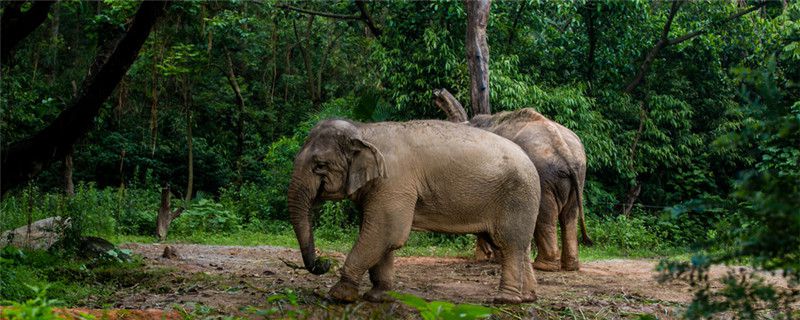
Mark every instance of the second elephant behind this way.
pixel 559 157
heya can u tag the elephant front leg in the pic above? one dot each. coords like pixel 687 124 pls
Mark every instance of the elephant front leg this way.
pixel 382 278
pixel 379 236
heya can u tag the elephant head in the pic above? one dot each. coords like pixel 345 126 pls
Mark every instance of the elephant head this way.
pixel 333 164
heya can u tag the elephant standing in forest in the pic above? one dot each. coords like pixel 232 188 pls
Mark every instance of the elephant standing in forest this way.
pixel 422 175
pixel 560 160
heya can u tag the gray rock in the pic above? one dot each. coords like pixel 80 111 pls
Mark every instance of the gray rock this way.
pixel 43 234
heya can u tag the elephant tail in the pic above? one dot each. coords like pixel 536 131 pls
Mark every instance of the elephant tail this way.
pixel 585 240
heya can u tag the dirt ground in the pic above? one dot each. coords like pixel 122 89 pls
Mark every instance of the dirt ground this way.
pixel 228 278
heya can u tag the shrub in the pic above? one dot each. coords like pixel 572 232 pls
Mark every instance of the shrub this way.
pixel 623 232
pixel 207 216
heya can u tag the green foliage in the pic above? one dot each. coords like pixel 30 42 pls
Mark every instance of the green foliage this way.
pixel 207 216
pixel 38 308
pixel 285 304
pixel 443 310
pixel 623 232
pixel 765 229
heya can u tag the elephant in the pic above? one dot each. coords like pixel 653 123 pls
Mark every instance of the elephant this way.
pixel 420 175
pixel 560 160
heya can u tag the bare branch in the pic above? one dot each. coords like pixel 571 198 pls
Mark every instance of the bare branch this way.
pixel 662 42
pixel 451 107
pixel 319 13
pixel 362 7
pixel 721 22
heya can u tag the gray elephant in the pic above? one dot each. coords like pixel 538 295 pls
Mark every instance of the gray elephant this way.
pixel 560 160
pixel 422 175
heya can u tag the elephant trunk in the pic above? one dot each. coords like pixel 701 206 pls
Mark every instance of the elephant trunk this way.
pixel 302 194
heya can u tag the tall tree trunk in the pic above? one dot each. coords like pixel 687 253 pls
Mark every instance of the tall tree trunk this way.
pixel 274 46
pixel 154 108
pixel 54 32
pixel 513 32
pixel 187 104
pixel 590 15
pixel 25 159
pixel 304 51
pixel 478 54
pixel 240 119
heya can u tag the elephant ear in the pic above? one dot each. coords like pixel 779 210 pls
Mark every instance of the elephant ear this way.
pixel 367 164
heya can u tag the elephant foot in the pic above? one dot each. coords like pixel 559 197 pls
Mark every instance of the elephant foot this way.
pixel 530 297
pixel 507 298
pixel 377 295
pixel 549 266
pixel 570 266
pixel 344 291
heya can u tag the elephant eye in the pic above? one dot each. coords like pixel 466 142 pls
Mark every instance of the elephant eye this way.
pixel 320 165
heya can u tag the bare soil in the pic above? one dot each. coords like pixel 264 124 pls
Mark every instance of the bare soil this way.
pixel 230 278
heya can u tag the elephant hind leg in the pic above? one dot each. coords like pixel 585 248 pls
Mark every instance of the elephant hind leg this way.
pixel 486 250
pixel 546 234
pixel 568 221
pixel 517 282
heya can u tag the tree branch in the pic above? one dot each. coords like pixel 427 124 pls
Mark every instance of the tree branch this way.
pixel 721 22
pixel 362 7
pixel 662 42
pixel 16 25
pixel 27 158
pixel 319 13
pixel 451 107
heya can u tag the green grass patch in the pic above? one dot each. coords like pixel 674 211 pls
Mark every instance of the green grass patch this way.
pixel 418 244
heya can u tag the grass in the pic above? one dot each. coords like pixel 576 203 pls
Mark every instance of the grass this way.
pixel 419 244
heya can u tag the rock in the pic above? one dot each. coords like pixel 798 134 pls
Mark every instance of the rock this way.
pixel 43 234
pixel 170 253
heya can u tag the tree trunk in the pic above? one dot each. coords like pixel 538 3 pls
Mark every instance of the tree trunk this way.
pixel 478 54
pixel 25 159
pixel 240 121
pixel 165 215
pixel 188 108
pixel 16 25
pixel 590 10
pixel 631 196
pixel 154 109
pixel 304 51
pixel 69 187
pixel 513 32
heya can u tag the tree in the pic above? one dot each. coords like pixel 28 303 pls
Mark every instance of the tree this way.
pixel 478 54
pixel 17 25
pixel 25 159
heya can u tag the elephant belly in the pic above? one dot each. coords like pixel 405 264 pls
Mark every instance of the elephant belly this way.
pixel 445 223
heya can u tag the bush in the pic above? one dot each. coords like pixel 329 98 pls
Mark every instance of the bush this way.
pixel 623 232
pixel 207 216
pixel 251 203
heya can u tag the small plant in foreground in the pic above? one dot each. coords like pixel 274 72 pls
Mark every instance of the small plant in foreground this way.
pixel 286 305
pixel 443 310
pixel 39 308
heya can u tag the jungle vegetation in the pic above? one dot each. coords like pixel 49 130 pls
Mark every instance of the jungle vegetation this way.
pixel 689 112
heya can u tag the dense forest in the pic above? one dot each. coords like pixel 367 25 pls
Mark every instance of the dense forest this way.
pixel 689 112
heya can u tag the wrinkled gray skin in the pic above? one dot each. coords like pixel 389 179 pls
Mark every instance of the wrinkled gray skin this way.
pixel 560 160
pixel 423 175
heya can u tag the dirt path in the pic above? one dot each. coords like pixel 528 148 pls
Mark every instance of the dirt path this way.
pixel 228 278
